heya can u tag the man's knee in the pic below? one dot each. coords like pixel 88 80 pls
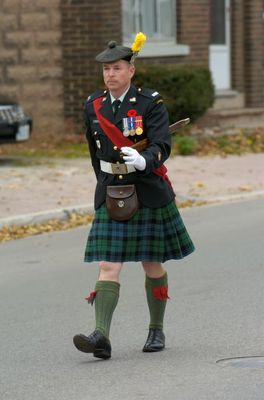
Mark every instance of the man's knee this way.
pixel 109 270
pixel 153 269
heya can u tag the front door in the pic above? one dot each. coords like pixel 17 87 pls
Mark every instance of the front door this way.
pixel 219 50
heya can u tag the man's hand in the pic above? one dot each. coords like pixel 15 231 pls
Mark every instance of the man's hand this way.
pixel 132 157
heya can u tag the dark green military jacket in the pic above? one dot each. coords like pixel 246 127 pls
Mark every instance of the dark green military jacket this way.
pixel 152 189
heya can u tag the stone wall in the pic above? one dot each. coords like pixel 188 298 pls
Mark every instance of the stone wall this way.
pixel 31 60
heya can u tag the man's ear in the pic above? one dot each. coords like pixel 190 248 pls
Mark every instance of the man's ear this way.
pixel 132 70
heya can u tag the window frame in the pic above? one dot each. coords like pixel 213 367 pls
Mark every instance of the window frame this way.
pixel 160 47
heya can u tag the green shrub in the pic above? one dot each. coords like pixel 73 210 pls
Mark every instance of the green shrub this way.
pixel 222 141
pixel 187 90
pixel 186 145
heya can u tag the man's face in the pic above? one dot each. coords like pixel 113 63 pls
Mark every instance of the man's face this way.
pixel 118 75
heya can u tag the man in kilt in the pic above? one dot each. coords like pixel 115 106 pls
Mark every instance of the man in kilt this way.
pixel 117 119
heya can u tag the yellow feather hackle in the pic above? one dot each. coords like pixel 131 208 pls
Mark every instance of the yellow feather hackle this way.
pixel 138 42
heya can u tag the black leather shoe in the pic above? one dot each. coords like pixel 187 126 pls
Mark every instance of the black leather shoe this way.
pixel 155 340
pixel 95 343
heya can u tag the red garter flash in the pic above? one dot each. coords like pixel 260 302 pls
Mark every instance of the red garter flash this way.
pixel 160 293
pixel 91 297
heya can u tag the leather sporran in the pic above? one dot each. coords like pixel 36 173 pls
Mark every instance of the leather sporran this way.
pixel 121 202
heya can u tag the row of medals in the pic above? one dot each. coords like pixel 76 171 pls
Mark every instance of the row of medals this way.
pixel 132 126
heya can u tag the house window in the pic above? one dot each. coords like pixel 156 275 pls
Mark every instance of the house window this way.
pixel 218 22
pixel 156 18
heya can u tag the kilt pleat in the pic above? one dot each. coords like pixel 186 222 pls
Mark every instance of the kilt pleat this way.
pixel 151 235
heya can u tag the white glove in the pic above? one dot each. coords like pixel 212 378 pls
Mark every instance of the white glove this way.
pixel 132 157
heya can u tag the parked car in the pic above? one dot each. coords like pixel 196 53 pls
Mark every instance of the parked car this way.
pixel 15 125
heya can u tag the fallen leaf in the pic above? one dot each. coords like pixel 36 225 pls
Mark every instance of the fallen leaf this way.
pixel 245 188
pixel 199 184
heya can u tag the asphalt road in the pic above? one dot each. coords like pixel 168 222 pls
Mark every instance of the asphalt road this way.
pixel 215 312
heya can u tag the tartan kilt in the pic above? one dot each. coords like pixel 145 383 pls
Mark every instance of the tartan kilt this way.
pixel 151 235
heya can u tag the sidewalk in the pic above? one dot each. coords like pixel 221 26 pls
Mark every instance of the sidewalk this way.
pixel 55 188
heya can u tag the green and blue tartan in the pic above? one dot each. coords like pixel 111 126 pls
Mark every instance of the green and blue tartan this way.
pixel 151 235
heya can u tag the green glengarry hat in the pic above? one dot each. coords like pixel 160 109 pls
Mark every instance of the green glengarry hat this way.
pixel 115 52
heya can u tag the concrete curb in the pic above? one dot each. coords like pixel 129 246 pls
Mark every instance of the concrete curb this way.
pixel 44 216
pixel 63 213
pixel 229 198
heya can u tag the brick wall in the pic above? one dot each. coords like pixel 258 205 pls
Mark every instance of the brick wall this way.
pixel 87 27
pixel 194 29
pixel 253 41
pixel 47 51
pixel 30 60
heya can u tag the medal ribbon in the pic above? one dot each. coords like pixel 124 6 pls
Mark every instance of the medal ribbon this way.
pixel 117 137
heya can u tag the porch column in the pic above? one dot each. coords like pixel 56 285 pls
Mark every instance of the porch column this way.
pixel 254 53
pixel 237 45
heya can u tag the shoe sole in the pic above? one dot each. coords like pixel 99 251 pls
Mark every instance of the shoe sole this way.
pixel 82 345
pixel 150 350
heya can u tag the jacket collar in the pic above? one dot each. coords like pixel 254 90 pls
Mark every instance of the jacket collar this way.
pixel 129 101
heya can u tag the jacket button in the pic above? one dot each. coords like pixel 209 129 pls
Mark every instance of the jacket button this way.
pixel 115 147
pixel 120 177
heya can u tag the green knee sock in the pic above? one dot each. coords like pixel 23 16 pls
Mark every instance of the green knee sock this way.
pixel 157 295
pixel 107 294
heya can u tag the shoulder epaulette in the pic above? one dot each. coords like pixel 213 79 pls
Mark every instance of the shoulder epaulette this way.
pixel 153 94
pixel 95 95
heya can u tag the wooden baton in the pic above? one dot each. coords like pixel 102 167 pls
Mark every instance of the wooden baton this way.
pixel 142 144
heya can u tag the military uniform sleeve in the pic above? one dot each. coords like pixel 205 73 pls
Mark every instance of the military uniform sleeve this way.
pixel 91 144
pixel 157 130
